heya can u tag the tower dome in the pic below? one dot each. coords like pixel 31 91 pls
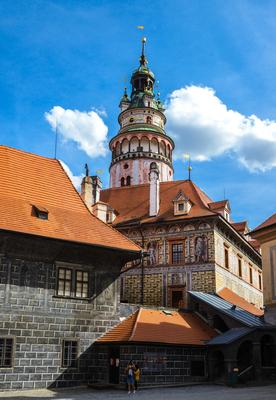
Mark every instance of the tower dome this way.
pixel 141 138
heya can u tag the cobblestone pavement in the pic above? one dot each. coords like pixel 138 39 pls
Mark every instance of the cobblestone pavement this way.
pixel 186 393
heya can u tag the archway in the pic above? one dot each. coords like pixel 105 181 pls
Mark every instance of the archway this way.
pixel 125 146
pixel 267 351
pixel 134 144
pixel 245 361
pixel 217 365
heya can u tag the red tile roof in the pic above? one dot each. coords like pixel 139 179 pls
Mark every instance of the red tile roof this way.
pixel 217 205
pixel 266 224
pixel 241 227
pixel 132 202
pixel 156 326
pixel 233 298
pixel 27 181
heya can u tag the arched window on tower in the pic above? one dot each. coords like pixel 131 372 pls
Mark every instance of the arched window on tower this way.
pixel 149 120
pixel 128 180
pixel 122 181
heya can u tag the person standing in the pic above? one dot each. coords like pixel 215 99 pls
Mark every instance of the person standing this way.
pixel 130 377
pixel 136 376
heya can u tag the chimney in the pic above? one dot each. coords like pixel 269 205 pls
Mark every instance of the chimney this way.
pixel 154 198
pixel 90 190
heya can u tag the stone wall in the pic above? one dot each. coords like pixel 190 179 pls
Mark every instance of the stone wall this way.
pixel 39 321
pixel 160 365
pixel 229 277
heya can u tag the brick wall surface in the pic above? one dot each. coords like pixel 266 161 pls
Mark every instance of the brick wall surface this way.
pixel 160 365
pixel 38 322
pixel 203 281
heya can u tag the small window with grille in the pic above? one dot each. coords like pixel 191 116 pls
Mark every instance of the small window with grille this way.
pixel 177 253
pixel 64 282
pixel 6 352
pixel 69 353
pixel 81 284
pixel 72 283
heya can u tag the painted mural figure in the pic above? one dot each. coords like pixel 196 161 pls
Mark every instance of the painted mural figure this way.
pixel 152 253
pixel 201 249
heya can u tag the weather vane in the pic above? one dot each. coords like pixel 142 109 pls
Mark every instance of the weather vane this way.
pixel 188 157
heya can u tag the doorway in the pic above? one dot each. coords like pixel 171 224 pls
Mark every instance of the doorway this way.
pixel 177 298
pixel 114 365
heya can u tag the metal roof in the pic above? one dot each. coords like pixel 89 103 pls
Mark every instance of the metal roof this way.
pixel 230 336
pixel 228 309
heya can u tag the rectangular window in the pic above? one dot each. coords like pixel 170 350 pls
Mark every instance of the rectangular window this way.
pixel 250 275
pixel 82 284
pixel 6 347
pixel 177 253
pixel 181 207
pixel 260 282
pixel 64 281
pixel 73 283
pixel 226 257
pixel 69 353
pixel 240 267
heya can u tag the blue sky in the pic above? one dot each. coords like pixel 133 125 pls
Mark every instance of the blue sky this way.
pixel 77 55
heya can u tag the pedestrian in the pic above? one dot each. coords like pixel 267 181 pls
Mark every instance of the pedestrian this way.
pixel 130 377
pixel 136 376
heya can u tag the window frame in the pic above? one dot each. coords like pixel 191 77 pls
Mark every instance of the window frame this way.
pixel 76 361
pixel 260 279
pixel 226 258
pixel 240 266
pixel 250 274
pixel 82 283
pixel 5 338
pixel 73 283
pixel 182 257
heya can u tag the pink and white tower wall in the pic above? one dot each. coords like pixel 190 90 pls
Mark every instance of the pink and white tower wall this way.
pixel 141 139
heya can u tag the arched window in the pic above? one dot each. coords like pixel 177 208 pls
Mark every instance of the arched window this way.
pixel 154 145
pixel 163 148
pixel 145 143
pixel 134 144
pixel 118 149
pixel 128 179
pixel 149 119
pixel 125 146
pixel 122 181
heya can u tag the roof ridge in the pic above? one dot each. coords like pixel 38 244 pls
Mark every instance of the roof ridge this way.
pixel 27 153
pixel 94 216
pixel 195 189
pixel 135 325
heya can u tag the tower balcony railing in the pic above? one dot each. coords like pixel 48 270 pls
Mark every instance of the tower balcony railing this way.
pixel 141 154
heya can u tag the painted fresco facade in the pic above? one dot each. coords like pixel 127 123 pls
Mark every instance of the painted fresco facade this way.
pixel 201 267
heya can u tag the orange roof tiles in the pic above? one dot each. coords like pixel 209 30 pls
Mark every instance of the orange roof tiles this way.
pixel 233 298
pixel 216 205
pixel 240 226
pixel 28 180
pixel 155 326
pixel 132 202
pixel 267 223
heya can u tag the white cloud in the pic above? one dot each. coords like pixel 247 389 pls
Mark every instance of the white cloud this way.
pixel 202 125
pixel 87 129
pixel 75 179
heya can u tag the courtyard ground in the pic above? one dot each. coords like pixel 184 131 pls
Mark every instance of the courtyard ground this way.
pixel 185 393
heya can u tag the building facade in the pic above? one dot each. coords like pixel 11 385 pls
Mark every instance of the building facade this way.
pixel 58 275
pixel 266 235
pixel 191 241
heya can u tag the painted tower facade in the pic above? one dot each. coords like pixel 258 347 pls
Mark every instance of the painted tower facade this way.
pixel 141 138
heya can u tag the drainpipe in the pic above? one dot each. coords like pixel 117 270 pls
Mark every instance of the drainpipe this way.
pixel 142 264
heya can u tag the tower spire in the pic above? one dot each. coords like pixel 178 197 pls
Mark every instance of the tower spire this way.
pixel 143 60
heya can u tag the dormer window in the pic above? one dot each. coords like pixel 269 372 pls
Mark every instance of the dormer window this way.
pixel 40 212
pixel 182 204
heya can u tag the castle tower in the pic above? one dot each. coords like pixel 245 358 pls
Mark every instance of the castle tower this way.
pixel 141 138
